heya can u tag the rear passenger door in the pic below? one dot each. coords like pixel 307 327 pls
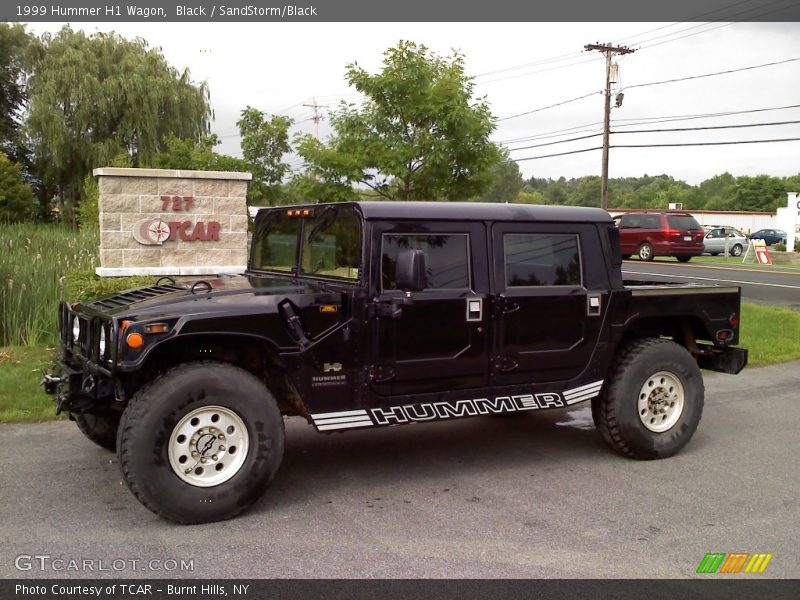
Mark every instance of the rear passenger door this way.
pixel 551 291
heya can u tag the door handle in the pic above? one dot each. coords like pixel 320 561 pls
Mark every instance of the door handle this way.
pixel 474 310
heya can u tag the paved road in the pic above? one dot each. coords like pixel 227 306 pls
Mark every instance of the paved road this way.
pixel 764 285
pixel 537 495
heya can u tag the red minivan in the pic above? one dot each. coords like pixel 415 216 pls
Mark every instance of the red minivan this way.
pixel 667 233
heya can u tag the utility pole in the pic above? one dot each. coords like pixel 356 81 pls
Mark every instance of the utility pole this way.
pixel 317 117
pixel 609 51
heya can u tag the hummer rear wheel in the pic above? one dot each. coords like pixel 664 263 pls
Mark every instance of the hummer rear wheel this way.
pixel 652 401
pixel 201 443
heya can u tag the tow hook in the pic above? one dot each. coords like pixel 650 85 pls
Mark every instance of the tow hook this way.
pixel 51 382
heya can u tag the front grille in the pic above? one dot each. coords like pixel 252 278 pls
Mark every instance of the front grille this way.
pixel 87 343
pixel 131 296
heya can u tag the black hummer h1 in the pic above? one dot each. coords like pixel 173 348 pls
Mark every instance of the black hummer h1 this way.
pixel 369 314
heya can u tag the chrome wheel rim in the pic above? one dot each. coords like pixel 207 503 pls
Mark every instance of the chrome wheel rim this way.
pixel 661 401
pixel 644 252
pixel 208 446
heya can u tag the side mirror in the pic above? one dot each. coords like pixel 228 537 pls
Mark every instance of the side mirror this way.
pixel 410 274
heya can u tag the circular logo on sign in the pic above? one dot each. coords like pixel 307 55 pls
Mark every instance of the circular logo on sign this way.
pixel 151 232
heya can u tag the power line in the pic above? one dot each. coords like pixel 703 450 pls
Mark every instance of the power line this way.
pixel 580 62
pixel 575 139
pixel 663 130
pixel 694 18
pixel 707 127
pixel 535 110
pixel 675 145
pixel 728 17
pixel 618 123
pixel 665 81
pixel 552 133
pixel 669 119
pixel 750 18
pixel 559 154
pixel 707 143
pixel 574 55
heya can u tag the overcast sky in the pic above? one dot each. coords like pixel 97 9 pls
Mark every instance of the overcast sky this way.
pixel 277 67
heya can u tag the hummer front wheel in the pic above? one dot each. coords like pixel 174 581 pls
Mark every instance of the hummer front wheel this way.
pixel 200 443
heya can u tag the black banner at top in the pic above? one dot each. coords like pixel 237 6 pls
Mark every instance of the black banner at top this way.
pixel 309 11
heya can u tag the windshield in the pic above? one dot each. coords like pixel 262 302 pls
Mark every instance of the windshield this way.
pixel 331 243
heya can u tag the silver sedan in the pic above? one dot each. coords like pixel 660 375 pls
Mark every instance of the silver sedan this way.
pixel 714 241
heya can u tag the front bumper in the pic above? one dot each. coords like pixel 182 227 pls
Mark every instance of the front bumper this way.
pixel 78 390
pixel 83 379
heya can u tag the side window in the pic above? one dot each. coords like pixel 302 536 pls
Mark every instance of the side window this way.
pixel 650 222
pixel 630 221
pixel 715 233
pixel 539 260
pixel 446 259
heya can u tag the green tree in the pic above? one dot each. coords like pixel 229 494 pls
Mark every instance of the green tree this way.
pixel 92 97
pixel 14 43
pixel 419 134
pixel 506 183
pixel 761 192
pixel 196 155
pixel 17 202
pixel 264 144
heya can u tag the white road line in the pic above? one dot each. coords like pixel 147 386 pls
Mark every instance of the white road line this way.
pixel 673 276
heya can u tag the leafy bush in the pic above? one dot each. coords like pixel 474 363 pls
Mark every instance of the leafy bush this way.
pixel 17 202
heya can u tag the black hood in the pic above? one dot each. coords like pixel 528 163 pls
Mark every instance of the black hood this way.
pixel 202 296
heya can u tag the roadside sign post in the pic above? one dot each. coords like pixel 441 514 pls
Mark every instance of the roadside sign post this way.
pixel 762 252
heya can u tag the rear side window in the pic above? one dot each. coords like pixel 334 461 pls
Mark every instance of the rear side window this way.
pixel 541 260
pixel 446 259
pixel 630 221
pixel 650 222
pixel 683 222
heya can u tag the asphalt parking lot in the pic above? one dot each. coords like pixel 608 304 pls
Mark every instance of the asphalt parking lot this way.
pixel 537 495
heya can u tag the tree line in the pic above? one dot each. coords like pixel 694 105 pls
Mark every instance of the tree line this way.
pixel 721 192
pixel 71 102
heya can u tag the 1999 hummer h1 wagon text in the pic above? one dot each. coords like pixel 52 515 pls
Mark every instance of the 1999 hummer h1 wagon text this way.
pixel 370 314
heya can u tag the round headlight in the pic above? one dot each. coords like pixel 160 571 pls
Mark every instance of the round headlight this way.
pixel 102 342
pixel 76 329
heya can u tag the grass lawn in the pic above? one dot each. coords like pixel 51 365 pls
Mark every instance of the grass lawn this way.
pixel 769 333
pixel 21 396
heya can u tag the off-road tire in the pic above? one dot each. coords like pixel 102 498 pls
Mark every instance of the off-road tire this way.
pixel 646 252
pixel 683 258
pixel 154 411
pixel 101 429
pixel 615 410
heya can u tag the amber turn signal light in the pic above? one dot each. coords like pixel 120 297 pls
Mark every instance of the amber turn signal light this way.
pixel 156 328
pixel 135 340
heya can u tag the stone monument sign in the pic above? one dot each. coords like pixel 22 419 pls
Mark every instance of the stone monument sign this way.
pixel 172 222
